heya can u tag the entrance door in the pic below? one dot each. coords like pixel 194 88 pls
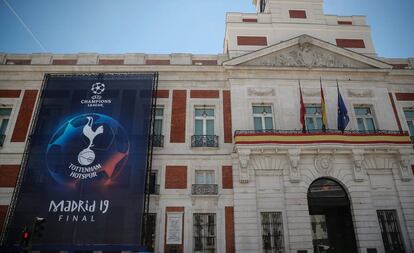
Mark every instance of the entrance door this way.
pixel 329 208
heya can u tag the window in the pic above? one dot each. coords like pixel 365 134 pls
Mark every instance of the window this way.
pixel 262 117
pixel 204 233
pixel 204 177
pixel 409 117
pixel 4 121
pixel 297 14
pixel 204 128
pixel 154 188
pixel 313 117
pixel 204 121
pixel 272 232
pixel 158 137
pixel 150 231
pixel 390 231
pixel 364 118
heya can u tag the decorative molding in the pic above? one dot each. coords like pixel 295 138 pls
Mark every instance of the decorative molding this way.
pixel 311 92
pixel 306 55
pixel 244 157
pixel 324 164
pixel 358 169
pixel 405 165
pixel 266 162
pixel 261 92
pixel 294 158
pixel 359 93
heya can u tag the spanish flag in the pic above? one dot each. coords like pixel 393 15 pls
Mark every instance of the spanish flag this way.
pixel 323 107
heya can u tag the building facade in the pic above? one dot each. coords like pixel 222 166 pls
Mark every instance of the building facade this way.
pixel 231 158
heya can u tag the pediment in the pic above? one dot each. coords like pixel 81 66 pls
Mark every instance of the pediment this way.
pixel 309 52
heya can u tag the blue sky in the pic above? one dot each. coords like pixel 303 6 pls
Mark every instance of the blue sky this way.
pixel 171 26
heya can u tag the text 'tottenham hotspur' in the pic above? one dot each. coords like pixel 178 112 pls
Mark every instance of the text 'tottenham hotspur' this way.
pixel 78 210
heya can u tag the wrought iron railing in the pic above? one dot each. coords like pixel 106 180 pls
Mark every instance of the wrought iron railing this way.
pixel 327 131
pixel 154 189
pixel 2 138
pixel 204 189
pixel 204 141
pixel 158 140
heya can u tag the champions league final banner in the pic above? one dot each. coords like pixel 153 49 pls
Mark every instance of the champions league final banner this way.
pixel 86 165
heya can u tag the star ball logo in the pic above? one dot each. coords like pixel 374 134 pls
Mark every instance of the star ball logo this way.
pixel 90 146
pixel 96 99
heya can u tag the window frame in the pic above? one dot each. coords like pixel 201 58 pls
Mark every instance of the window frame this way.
pixel 314 117
pixel 202 234
pixel 410 109
pixel 204 119
pixel 396 226
pixel 281 236
pixel 365 117
pixel 205 172
pixel 162 118
pixel 263 117
pixel 11 119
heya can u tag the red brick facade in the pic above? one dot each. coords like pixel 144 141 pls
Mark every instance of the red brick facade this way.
pixel 176 177
pixel 229 227
pixel 404 96
pixel 228 132
pixel 251 41
pixel 204 94
pixel 25 114
pixel 227 177
pixel 250 20
pixel 157 62
pixel 9 93
pixel 344 22
pixel 178 114
pixel 64 62
pixel 110 62
pixel 3 213
pixel 163 94
pixel 8 175
pixel 350 43
pixel 297 14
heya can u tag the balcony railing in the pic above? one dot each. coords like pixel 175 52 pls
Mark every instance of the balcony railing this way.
pixel 320 137
pixel 204 189
pixel 2 137
pixel 204 141
pixel 154 189
pixel 158 140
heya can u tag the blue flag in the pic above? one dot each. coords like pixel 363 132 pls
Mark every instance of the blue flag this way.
pixel 343 118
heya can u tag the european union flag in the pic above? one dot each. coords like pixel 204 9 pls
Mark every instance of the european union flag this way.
pixel 343 118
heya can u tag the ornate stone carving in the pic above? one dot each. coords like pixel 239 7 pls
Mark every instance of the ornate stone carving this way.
pixel 360 93
pixel 244 157
pixel 311 92
pixel 294 158
pixel 324 164
pixel 261 92
pixel 405 165
pixel 358 159
pixel 306 55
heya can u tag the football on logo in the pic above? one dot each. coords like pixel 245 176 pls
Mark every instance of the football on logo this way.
pixel 90 147
pixel 98 88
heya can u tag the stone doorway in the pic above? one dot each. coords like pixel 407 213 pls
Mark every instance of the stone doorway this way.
pixel 331 219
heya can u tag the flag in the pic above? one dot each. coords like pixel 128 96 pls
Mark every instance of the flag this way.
pixel 323 107
pixel 343 118
pixel 302 110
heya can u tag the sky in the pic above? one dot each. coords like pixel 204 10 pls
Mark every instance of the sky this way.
pixel 169 26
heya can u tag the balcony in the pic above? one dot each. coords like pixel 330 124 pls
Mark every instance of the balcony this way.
pixel 2 137
pixel 210 141
pixel 295 137
pixel 154 189
pixel 204 189
pixel 158 141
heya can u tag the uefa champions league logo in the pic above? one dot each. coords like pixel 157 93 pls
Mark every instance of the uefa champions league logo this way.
pixel 87 156
pixel 98 88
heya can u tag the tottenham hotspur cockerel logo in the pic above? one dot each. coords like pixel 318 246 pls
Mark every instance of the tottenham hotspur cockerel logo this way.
pixel 87 156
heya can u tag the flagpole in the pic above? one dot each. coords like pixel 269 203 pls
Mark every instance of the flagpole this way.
pixel 302 110
pixel 323 107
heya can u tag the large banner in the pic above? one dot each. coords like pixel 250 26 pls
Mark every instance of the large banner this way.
pixel 86 165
